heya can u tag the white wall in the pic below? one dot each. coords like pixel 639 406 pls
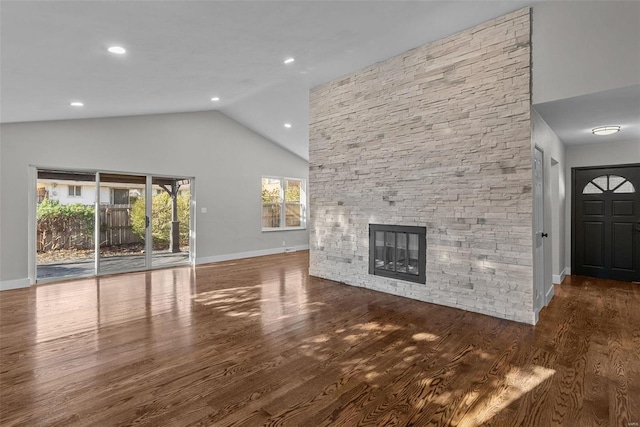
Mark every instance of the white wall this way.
pixel 601 154
pixel 575 44
pixel 558 203
pixel 554 157
pixel 226 159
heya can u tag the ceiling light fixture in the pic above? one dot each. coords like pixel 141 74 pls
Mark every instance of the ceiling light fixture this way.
pixel 76 104
pixel 605 130
pixel 289 60
pixel 118 50
pixel 215 99
pixel 287 125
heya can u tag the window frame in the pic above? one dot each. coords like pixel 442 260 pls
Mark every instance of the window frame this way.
pixel 283 203
pixel 72 191
pixel 114 198
pixel 609 188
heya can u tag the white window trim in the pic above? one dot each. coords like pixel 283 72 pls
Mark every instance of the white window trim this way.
pixel 75 190
pixel 303 203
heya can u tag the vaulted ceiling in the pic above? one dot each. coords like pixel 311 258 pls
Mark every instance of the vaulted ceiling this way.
pixel 182 54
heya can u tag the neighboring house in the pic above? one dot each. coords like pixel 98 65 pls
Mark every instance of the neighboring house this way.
pixel 84 193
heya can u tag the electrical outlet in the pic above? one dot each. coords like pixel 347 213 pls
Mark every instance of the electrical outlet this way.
pixel 284 243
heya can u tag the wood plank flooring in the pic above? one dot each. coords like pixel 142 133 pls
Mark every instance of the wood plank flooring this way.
pixel 259 342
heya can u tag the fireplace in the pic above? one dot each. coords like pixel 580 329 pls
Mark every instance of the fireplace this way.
pixel 398 251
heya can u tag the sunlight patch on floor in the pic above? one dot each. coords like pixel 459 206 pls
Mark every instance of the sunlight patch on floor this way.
pixel 320 338
pixel 371 376
pixel 517 382
pixel 353 338
pixel 424 336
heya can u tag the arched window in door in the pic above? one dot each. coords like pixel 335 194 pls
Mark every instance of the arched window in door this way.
pixel 615 183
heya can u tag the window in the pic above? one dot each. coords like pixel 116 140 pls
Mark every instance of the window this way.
pixel 283 203
pixel 603 183
pixel 120 196
pixel 75 191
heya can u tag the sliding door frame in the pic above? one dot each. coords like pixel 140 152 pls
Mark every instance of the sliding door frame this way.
pixel 32 218
pixel 96 228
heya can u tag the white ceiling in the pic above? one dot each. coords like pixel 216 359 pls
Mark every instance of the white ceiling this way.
pixel 180 54
pixel 572 119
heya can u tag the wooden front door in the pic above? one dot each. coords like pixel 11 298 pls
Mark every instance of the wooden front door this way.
pixel 606 222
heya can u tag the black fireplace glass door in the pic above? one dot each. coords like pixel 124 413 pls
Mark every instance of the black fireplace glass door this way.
pixel 401 253
pixel 380 250
pixel 390 250
pixel 398 251
pixel 413 254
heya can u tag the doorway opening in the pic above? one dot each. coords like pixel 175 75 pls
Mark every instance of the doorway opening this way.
pixel 94 223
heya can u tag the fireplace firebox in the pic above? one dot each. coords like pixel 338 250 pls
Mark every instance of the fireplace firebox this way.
pixel 398 251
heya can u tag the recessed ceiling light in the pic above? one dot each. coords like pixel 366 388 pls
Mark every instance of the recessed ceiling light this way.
pixel 76 104
pixel 287 125
pixel 605 130
pixel 215 99
pixel 289 60
pixel 118 50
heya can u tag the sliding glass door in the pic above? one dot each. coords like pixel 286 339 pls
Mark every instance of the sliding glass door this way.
pixel 65 224
pixel 123 217
pixel 95 223
pixel 170 219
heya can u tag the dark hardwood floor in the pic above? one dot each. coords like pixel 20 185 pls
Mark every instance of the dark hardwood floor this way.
pixel 259 342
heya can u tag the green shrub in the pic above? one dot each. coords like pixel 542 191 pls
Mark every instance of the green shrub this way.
pixel 161 219
pixel 66 225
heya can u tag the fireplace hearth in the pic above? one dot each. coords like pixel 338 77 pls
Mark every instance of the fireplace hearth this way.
pixel 398 251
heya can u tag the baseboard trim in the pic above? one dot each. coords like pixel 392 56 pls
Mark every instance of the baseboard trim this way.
pixel 558 278
pixel 549 295
pixel 249 254
pixel 6 285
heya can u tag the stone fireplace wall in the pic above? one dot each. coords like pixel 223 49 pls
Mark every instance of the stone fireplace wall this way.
pixel 438 136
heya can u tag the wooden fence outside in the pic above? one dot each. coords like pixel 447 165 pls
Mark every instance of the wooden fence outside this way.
pixel 115 226
pixel 115 229
pixel 271 214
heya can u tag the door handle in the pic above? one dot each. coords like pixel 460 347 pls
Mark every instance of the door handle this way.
pixel 544 235
pixel 146 222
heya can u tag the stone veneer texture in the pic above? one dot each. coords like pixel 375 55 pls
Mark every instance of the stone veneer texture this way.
pixel 438 136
